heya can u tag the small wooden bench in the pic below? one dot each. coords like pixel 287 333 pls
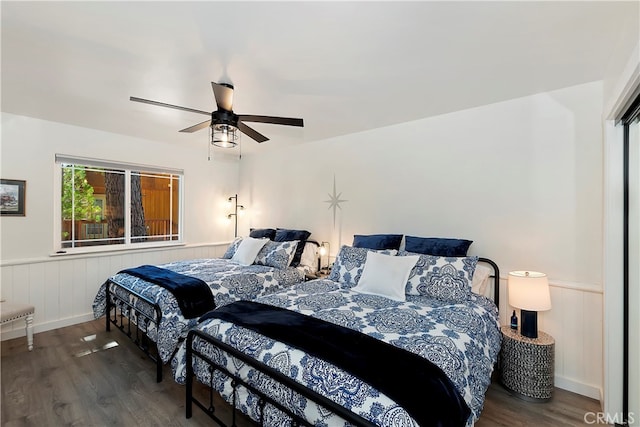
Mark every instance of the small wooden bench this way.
pixel 10 312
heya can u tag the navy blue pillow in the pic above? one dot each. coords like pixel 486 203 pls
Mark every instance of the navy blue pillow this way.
pixel 437 246
pixel 286 235
pixel 377 241
pixel 261 233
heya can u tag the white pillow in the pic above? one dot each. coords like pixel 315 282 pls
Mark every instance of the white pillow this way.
pixel 480 280
pixel 248 250
pixel 309 256
pixel 386 275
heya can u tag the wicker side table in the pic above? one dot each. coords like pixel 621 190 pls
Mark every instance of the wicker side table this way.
pixel 526 364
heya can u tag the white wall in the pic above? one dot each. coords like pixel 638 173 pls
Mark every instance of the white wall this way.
pixel 28 151
pixel 62 288
pixel 522 179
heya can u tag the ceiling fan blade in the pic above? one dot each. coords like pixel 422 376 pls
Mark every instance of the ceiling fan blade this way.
pixel 162 104
pixel 252 133
pixel 288 121
pixel 199 126
pixel 224 95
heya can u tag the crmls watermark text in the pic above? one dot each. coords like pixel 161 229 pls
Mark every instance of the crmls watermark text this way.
pixel 606 418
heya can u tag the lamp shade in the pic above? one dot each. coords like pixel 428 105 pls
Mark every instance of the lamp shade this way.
pixel 225 136
pixel 324 248
pixel 529 290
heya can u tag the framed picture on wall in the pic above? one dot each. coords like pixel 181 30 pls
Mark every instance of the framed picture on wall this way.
pixel 12 197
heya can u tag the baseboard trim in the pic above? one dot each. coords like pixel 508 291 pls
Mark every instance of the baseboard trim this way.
pixel 587 390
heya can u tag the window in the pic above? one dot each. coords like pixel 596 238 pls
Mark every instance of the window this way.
pixel 116 204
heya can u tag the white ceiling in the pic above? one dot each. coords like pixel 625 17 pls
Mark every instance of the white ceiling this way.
pixel 342 66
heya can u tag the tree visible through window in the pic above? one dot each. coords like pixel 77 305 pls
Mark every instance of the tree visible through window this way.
pixel 114 207
pixel 99 208
pixel 77 196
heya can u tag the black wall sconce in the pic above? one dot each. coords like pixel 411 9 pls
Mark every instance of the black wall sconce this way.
pixel 234 215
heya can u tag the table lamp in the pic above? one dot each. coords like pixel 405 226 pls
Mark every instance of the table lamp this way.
pixel 323 251
pixel 529 291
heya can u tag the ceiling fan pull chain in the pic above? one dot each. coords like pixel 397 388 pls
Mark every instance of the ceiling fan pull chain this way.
pixel 209 145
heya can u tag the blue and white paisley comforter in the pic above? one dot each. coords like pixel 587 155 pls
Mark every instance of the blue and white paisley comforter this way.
pixel 462 339
pixel 228 280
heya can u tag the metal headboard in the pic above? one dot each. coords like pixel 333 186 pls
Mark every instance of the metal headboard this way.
pixel 496 279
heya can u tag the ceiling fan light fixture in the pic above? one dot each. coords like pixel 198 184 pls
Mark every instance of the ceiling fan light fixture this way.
pixel 225 126
pixel 225 136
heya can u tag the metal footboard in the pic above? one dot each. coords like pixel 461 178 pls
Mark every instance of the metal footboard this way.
pixel 130 312
pixel 192 354
pixel 264 399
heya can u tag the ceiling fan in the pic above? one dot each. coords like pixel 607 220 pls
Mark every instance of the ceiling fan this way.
pixel 224 122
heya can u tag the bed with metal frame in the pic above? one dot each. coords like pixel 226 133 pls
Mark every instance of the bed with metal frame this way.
pixel 150 315
pixel 209 356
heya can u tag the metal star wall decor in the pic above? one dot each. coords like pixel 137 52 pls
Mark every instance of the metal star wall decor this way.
pixel 334 201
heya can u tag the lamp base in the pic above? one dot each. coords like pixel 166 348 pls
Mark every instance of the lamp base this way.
pixel 529 327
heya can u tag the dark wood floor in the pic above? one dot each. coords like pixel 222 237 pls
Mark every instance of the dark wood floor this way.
pixel 76 377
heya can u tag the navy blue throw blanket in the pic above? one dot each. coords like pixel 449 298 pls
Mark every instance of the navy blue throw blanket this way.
pixel 425 392
pixel 194 295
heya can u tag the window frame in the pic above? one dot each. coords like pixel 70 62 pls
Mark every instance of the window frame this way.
pixel 128 168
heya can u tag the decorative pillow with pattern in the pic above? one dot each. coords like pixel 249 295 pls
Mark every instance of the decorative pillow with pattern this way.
pixel 277 254
pixel 233 247
pixel 349 264
pixel 448 279
pixel 288 235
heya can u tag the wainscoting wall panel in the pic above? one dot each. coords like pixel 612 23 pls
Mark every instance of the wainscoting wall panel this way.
pixel 62 290
pixel 576 323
